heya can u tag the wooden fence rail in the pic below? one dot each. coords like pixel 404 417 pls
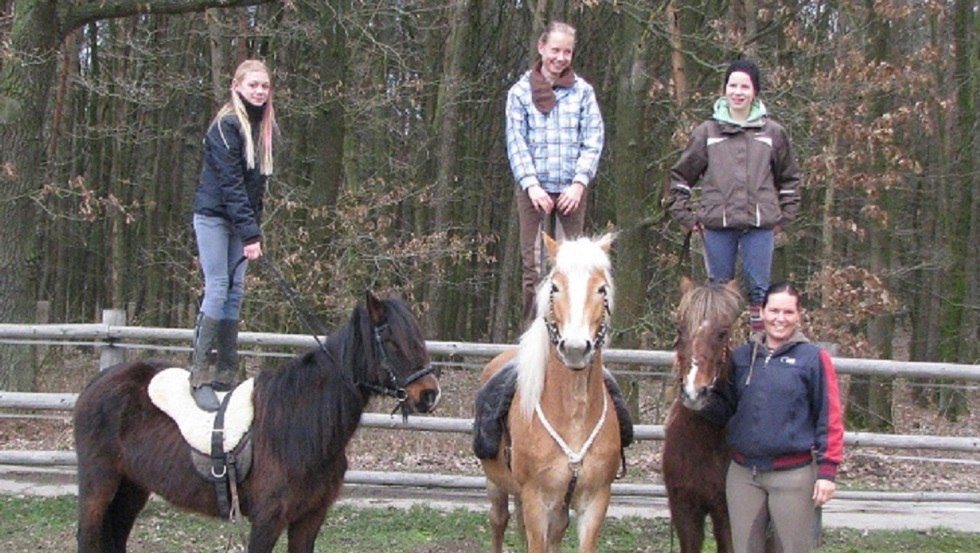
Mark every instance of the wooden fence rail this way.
pixel 50 401
pixel 114 339
pixel 119 337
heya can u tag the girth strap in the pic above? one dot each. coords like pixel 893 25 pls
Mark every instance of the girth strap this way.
pixel 223 469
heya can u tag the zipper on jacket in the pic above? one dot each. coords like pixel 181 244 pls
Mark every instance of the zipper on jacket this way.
pixel 755 353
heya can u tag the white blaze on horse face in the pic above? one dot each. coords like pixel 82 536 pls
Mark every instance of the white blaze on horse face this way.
pixel 575 332
pixel 582 281
pixel 690 386
pixel 690 381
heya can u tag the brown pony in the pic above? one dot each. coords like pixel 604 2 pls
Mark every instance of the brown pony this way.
pixel 304 415
pixel 561 446
pixel 695 454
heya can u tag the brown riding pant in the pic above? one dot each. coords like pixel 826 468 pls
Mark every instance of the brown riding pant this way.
pixel 533 256
pixel 785 497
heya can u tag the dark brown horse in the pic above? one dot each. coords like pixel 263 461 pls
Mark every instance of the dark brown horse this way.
pixel 696 455
pixel 304 415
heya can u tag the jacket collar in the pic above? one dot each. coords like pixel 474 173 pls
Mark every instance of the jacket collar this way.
pixel 757 114
pixel 758 340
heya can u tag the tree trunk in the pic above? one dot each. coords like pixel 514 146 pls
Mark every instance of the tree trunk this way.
pixel 627 181
pixel 961 317
pixel 446 124
pixel 24 86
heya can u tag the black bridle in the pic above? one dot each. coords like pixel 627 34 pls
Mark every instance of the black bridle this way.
pixel 392 387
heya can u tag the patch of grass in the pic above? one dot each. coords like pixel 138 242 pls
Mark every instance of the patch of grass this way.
pixel 47 525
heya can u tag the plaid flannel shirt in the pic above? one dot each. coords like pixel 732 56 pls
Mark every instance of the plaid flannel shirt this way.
pixel 555 149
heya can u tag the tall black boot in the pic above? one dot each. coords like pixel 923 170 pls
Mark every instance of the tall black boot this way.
pixel 202 373
pixel 227 366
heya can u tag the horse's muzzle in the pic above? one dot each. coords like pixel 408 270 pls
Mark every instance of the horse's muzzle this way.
pixel 428 400
pixel 695 402
pixel 576 354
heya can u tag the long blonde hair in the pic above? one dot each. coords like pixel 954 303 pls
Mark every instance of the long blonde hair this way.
pixel 235 107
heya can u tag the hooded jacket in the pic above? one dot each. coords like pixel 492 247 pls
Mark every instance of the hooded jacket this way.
pixel 747 173
pixel 781 408
pixel 227 187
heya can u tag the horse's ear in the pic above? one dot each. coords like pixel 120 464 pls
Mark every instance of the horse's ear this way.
pixel 686 285
pixel 550 245
pixel 605 242
pixel 375 307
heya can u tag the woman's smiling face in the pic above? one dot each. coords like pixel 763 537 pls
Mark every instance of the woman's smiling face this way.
pixel 780 316
pixel 556 53
pixel 739 91
pixel 254 87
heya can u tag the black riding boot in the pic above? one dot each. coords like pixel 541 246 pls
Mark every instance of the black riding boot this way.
pixel 202 373
pixel 227 366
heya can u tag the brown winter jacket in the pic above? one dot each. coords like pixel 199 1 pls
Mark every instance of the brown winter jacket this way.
pixel 747 174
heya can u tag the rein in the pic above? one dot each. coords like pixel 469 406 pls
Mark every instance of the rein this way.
pixel 392 387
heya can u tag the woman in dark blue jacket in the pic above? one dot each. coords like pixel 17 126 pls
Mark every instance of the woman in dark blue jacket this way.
pixel 781 408
pixel 227 216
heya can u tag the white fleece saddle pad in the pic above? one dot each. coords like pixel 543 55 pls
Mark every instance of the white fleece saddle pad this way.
pixel 170 390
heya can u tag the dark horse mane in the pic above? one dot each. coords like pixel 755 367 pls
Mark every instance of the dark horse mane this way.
pixel 326 388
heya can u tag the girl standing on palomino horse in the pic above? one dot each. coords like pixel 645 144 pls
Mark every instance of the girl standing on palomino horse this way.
pixel 227 216
pixel 743 161
pixel 554 134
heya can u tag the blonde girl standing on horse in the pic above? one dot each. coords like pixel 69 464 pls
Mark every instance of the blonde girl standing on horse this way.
pixel 227 218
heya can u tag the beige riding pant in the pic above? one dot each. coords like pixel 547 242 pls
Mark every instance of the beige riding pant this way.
pixel 783 497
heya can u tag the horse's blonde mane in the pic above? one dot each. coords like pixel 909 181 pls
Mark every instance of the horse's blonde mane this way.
pixel 577 258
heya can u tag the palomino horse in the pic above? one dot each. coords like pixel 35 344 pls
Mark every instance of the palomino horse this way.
pixel 561 446
pixel 695 454
pixel 304 415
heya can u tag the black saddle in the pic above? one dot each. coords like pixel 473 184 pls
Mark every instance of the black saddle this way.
pixel 493 401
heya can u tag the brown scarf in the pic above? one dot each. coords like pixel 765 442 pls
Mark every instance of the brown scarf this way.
pixel 543 92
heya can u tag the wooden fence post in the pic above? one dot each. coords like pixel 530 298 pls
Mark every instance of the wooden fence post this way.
pixel 42 315
pixel 112 355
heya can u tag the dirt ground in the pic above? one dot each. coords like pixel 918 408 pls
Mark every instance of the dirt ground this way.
pixel 393 450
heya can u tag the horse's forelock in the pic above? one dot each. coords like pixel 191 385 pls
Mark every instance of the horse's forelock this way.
pixel 710 302
pixel 577 259
pixel 404 326
pixel 581 255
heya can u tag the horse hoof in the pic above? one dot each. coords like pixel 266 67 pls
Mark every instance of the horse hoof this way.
pixel 205 398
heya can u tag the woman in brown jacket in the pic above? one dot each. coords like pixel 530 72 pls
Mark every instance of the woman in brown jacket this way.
pixel 744 165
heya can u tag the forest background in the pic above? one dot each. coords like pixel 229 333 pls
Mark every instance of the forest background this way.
pixel 391 171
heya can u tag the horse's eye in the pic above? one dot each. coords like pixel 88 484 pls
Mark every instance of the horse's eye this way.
pixel 604 290
pixel 554 288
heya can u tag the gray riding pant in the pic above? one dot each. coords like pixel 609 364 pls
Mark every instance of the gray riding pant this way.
pixel 784 497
